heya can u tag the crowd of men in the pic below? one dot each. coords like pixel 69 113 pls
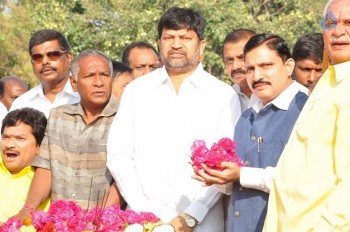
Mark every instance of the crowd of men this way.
pixel 102 132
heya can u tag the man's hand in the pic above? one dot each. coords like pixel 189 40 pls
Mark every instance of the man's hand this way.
pixel 180 225
pixel 24 214
pixel 230 173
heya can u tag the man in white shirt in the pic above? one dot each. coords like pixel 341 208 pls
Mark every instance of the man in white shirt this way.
pixel 261 132
pixel 160 116
pixel 50 56
pixel 233 58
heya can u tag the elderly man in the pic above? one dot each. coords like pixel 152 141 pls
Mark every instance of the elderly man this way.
pixel 50 56
pixel 233 58
pixel 310 190
pixel 160 116
pixel 22 133
pixel 142 57
pixel 261 132
pixel 72 159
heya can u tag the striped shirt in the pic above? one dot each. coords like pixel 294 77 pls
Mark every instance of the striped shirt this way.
pixel 75 152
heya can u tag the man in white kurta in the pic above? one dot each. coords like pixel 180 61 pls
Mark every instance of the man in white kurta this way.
pixel 150 139
pixel 158 120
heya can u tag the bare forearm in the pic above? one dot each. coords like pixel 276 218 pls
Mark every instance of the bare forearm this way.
pixel 38 192
pixel 114 197
pixel 39 189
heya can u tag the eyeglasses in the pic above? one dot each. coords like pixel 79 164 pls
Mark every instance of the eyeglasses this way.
pixel 52 55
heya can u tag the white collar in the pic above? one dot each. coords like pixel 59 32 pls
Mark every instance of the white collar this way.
pixel 282 101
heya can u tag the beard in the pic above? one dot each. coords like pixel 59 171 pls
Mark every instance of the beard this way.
pixel 182 65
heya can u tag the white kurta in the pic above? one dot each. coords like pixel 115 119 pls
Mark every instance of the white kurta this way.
pixel 150 138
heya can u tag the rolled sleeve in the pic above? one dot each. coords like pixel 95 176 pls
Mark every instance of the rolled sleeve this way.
pixel 40 162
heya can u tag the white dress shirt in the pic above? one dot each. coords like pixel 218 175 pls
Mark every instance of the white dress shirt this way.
pixel 148 149
pixel 36 99
pixel 245 101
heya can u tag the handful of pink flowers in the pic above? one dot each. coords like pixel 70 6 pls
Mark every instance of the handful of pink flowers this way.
pixel 222 151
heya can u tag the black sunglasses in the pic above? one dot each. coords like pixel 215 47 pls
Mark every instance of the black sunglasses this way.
pixel 52 55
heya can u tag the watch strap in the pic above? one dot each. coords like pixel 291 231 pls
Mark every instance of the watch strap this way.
pixel 188 219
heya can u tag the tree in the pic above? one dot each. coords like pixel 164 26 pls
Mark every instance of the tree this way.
pixel 110 25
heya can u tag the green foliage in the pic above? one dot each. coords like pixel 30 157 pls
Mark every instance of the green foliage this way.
pixel 110 25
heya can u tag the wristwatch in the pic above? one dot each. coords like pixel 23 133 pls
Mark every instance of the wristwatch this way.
pixel 190 221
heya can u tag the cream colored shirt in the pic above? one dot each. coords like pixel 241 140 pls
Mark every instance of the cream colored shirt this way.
pixel 311 187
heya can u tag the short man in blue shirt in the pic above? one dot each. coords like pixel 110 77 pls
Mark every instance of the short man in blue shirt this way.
pixel 261 132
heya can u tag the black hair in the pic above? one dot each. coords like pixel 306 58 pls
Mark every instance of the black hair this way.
pixel 29 116
pixel 309 46
pixel 236 36
pixel 44 35
pixel 182 18
pixel 138 44
pixel 120 68
pixel 273 42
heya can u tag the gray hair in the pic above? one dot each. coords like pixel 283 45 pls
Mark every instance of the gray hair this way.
pixel 74 66
pixel 326 7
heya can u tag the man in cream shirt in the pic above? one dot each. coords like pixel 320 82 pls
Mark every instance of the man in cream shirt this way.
pixel 310 190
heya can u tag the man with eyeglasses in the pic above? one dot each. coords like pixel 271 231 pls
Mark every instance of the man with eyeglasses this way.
pixel 50 57
pixel 142 57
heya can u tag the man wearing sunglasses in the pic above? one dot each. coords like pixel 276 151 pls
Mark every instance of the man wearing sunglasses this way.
pixel 50 57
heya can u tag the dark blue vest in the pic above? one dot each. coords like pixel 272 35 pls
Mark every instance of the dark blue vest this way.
pixel 260 140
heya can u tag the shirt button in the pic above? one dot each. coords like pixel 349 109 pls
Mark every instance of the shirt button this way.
pixel 240 189
pixel 236 214
pixel 252 138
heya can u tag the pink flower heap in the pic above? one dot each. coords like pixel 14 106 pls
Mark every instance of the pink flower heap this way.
pixel 67 216
pixel 223 151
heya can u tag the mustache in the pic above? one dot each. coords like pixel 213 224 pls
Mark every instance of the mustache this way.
pixel 171 52
pixel 339 40
pixel 48 67
pixel 238 71
pixel 10 150
pixel 261 81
